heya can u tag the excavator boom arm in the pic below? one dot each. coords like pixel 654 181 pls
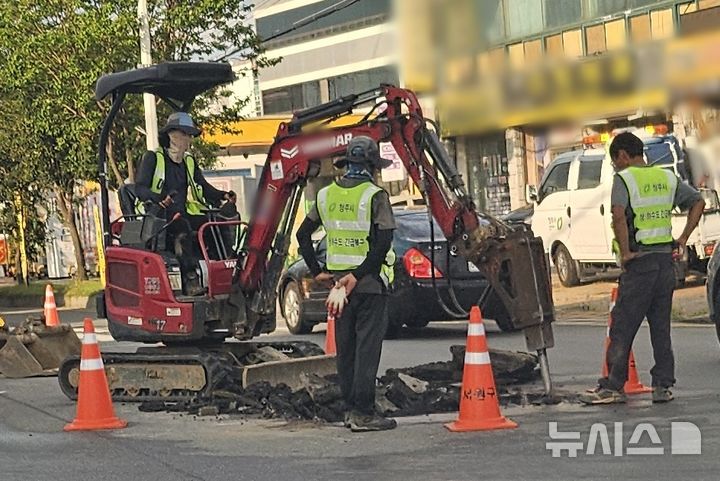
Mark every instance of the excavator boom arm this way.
pixel 513 261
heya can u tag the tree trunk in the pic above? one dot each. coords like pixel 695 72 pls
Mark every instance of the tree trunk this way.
pixel 68 217
pixel 111 160
pixel 130 165
pixel 18 268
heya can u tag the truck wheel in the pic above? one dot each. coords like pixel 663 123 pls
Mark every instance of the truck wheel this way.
pixel 293 310
pixel 566 267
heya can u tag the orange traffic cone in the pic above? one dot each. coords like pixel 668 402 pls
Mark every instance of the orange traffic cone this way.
pixel 479 408
pixel 94 409
pixel 633 384
pixel 50 309
pixel 330 347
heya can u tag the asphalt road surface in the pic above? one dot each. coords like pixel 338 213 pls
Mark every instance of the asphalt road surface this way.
pixel 163 446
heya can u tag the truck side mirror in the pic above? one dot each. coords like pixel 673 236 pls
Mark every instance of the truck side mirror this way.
pixel 531 194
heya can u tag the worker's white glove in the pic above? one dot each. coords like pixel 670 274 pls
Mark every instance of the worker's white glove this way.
pixel 336 301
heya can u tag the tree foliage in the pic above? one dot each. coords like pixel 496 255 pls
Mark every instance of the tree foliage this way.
pixel 51 54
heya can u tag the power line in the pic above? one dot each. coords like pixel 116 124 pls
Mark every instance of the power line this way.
pixel 341 5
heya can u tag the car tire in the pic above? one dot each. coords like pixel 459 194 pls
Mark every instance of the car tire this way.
pixel 292 310
pixel 566 267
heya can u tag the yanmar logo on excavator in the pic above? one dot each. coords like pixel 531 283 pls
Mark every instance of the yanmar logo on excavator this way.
pixel 317 146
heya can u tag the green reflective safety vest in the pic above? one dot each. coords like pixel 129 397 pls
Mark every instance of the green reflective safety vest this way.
pixel 195 201
pixel 346 215
pixel 652 194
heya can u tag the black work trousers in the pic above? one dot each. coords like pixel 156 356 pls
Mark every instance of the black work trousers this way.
pixel 183 242
pixel 359 334
pixel 645 291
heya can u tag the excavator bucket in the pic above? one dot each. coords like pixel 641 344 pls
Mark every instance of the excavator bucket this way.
pixel 34 349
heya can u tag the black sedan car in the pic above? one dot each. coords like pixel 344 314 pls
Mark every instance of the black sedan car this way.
pixel 414 301
pixel 713 287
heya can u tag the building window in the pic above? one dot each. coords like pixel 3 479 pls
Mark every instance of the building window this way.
pixel 491 20
pixel 554 46
pixel 685 8
pixel 599 8
pixel 516 54
pixel 595 39
pixel 562 12
pixel 355 82
pixel 572 44
pixel 533 51
pixel 703 4
pixel 288 99
pixel 365 13
pixel 661 22
pixel 524 17
pixel 640 28
pixel 615 36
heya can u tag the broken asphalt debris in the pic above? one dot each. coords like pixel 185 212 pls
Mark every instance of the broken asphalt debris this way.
pixel 424 389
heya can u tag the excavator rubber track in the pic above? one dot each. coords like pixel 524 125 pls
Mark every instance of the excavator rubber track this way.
pixel 178 374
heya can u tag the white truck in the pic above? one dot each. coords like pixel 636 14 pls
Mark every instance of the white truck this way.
pixel 572 213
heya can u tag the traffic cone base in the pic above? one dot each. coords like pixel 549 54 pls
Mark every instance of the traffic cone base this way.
pixel 481 425
pixel 94 407
pixel 633 384
pixel 95 425
pixel 479 407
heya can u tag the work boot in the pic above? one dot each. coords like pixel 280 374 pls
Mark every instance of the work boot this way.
pixel 192 285
pixel 601 395
pixel 360 423
pixel 662 395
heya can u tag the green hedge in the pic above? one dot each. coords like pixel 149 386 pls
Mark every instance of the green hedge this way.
pixel 67 289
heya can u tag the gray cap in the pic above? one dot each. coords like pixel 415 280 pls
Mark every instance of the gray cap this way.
pixel 181 121
pixel 364 150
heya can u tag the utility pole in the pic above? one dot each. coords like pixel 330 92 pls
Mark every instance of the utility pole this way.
pixel 151 129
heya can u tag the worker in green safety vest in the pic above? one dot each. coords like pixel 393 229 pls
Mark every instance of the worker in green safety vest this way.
pixel 359 223
pixel 642 200
pixel 171 182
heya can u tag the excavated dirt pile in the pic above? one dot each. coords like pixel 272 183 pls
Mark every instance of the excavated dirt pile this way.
pixel 424 389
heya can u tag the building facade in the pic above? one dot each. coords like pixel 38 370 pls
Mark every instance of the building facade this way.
pixel 328 49
pixel 541 77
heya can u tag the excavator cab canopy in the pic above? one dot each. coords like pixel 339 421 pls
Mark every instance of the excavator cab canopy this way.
pixel 177 83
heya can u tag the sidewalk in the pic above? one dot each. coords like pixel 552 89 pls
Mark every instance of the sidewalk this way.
pixel 591 301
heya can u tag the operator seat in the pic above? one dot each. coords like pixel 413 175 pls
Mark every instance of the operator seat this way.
pixel 138 230
pixel 127 196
